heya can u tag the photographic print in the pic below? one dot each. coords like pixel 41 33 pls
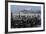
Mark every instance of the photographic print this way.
pixel 25 17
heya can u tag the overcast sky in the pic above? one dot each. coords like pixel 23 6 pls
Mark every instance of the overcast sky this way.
pixel 16 8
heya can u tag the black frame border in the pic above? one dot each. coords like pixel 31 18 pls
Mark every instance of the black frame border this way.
pixel 6 16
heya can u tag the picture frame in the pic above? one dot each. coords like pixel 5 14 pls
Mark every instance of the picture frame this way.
pixel 7 15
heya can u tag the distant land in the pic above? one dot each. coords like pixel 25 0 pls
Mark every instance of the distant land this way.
pixel 27 12
pixel 30 11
